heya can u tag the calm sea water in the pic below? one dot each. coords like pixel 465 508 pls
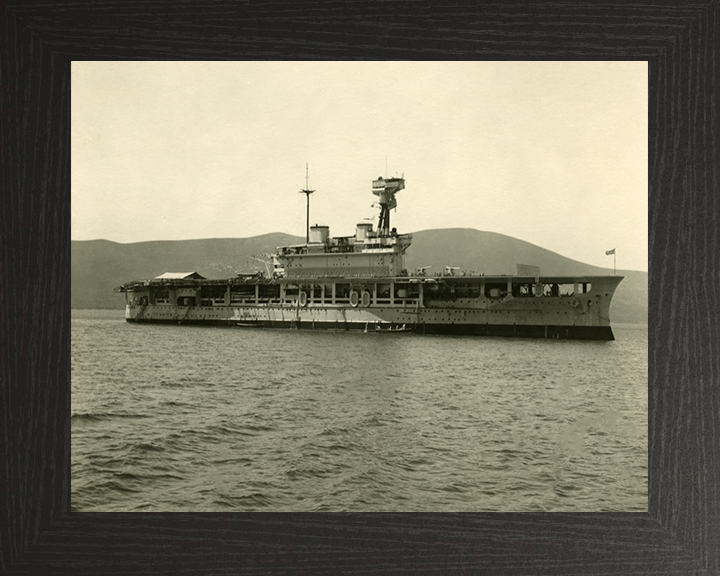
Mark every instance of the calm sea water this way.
pixel 170 418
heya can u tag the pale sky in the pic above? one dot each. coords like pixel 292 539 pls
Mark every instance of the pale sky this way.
pixel 554 153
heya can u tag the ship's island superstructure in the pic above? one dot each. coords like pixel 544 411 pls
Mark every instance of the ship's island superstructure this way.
pixel 360 282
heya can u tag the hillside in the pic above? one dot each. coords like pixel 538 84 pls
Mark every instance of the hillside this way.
pixel 98 266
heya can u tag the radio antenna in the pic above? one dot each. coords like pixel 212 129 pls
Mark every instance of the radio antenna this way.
pixel 307 193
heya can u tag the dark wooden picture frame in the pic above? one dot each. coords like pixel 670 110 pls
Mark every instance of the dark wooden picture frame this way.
pixel 681 531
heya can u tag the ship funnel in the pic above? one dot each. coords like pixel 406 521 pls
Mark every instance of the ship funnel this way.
pixel 319 234
pixel 361 231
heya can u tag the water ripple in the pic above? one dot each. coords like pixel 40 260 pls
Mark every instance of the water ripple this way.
pixel 206 419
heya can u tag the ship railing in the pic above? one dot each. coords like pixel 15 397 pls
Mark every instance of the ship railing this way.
pixel 339 276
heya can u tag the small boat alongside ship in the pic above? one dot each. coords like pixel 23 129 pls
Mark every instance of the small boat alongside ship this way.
pixel 352 282
pixel 391 329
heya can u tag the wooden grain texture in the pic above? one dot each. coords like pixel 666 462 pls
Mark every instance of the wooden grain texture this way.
pixel 679 535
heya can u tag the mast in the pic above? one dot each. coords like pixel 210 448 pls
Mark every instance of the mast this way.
pixel 307 193
pixel 385 189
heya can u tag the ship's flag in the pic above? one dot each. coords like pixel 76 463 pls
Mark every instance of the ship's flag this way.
pixel 610 252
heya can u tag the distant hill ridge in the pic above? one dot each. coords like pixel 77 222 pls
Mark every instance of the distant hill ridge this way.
pixel 98 266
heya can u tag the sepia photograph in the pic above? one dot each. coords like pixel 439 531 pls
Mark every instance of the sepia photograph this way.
pixel 359 286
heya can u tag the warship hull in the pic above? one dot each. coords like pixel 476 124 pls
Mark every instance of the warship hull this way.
pixel 427 306
pixel 499 330
pixel 359 282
